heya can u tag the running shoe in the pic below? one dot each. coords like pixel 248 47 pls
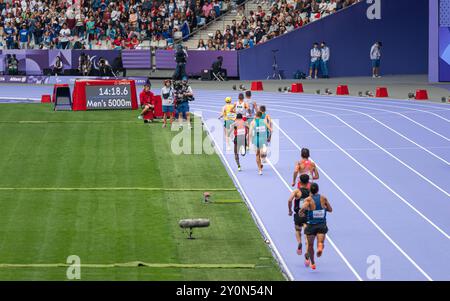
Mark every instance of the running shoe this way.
pixel 164 125
pixel 239 168
pixel 313 266
pixel 299 249
pixel 260 172
pixel 307 263
pixel 140 117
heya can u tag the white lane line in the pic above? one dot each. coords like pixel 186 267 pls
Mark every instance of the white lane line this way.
pixel 351 201
pixel 237 181
pixel 369 172
pixel 341 102
pixel 328 235
pixel 376 109
pixel 384 125
pixel 373 175
pixel 369 101
pixel 371 141
pixel 408 102
pixel 374 143
pixel 249 204
pixel 357 207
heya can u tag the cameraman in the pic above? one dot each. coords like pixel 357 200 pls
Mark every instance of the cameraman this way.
pixel 183 95
pixel 13 65
pixel 181 58
pixel 217 68
pixel 104 67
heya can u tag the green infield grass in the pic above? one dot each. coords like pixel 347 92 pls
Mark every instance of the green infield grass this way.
pixel 107 188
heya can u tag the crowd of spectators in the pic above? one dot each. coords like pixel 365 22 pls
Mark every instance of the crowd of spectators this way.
pixel 125 24
pixel 106 24
pixel 258 26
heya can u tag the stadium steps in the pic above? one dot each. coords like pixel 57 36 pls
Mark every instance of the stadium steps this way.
pixel 222 23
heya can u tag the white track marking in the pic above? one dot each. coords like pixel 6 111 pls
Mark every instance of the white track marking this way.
pixel 351 201
pixel 372 174
pixel 393 103
pixel 249 204
pixel 386 105
pixel 374 143
pixel 369 172
pixel 259 220
pixel 383 124
pixel 357 207
pixel 382 110
pixel 328 236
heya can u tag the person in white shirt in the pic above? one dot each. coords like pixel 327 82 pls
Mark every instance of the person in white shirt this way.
pixel 167 102
pixel 315 61
pixel 64 35
pixel 325 57
pixel 375 56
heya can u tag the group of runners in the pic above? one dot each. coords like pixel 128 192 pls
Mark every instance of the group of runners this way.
pixel 310 208
pixel 247 123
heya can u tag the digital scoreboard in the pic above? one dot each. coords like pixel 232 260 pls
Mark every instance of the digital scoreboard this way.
pixel 108 97
pixel 104 95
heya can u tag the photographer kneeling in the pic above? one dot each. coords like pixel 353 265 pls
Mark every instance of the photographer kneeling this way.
pixel 183 95
pixel 146 98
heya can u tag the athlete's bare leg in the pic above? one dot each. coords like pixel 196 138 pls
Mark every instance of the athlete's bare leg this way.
pixel 320 244
pixel 236 155
pixel 310 239
pixel 298 236
pixel 258 160
pixel 227 139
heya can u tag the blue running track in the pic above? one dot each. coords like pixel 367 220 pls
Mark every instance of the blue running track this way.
pixel 384 165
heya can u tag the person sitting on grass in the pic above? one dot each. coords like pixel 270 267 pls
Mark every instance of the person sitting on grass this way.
pixel 146 99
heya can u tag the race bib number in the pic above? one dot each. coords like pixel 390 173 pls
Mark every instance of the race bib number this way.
pixel 319 213
pixel 231 115
pixel 240 132
pixel 261 129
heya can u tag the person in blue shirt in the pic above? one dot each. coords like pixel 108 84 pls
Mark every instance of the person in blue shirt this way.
pixel 10 34
pixel 317 206
pixel 24 38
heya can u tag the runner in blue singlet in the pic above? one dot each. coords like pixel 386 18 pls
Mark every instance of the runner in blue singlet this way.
pixel 316 225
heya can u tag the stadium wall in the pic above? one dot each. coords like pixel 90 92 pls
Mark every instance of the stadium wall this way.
pixel 33 62
pixel 402 27
pixel 433 52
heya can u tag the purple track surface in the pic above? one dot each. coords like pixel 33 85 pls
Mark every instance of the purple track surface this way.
pixel 383 164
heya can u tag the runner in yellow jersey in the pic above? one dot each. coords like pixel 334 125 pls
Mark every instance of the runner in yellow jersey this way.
pixel 228 115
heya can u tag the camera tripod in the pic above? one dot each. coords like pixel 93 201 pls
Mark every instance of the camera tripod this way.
pixel 276 73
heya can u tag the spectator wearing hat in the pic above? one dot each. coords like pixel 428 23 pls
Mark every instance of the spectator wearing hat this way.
pixel 24 37
pixel 147 101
